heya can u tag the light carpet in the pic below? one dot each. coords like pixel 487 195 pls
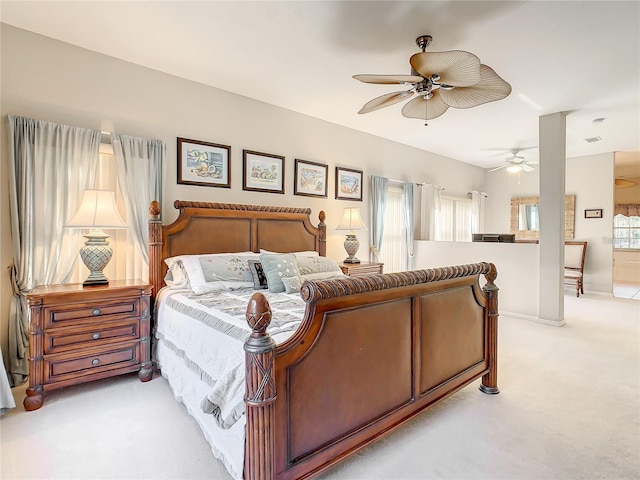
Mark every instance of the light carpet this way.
pixel 569 408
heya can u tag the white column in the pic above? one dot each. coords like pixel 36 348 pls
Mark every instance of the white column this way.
pixel 552 131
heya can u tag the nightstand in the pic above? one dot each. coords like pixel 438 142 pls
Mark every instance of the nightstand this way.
pixel 362 268
pixel 78 334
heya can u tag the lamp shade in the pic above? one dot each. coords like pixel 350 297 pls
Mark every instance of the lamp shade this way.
pixel 97 210
pixel 514 168
pixel 351 220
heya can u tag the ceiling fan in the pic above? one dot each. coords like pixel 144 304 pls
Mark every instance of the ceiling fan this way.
pixel 516 163
pixel 441 80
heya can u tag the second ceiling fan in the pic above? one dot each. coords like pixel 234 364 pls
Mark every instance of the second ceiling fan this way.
pixel 441 80
pixel 516 163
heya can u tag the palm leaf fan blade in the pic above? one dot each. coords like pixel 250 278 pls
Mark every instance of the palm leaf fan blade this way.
pixel 490 88
pixel 385 100
pixel 425 109
pixel 388 79
pixel 456 67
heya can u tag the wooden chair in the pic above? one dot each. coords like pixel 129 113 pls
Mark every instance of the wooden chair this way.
pixel 574 253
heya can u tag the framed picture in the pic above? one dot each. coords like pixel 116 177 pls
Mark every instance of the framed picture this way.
pixel 262 172
pixel 348 184
pixel 593 213
pixel 310 179
pixel 203 163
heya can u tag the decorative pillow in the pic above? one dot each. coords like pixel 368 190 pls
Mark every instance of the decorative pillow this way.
pixel 257 272
pixel 322 276
pixel 308 265
pixel 207 273
pixel 278 266
pixel 291 284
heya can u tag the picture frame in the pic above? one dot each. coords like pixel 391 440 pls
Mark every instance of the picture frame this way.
pixel 348 184
pixel 203 163
pixel 262 172
pixel 310 179
pixel 593 213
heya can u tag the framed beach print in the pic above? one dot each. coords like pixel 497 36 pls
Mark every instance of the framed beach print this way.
pixel 348 184
pixel 310 179
pixel 203 163
pixel 262 172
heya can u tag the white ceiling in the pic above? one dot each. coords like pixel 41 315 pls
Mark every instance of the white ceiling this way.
pixel 580 57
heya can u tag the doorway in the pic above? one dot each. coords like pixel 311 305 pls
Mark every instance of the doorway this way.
pixel 626 228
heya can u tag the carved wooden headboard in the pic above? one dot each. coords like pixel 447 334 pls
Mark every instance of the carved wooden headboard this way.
pixel 204 227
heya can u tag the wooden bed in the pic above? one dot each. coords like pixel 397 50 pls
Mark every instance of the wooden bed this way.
pixel 371 352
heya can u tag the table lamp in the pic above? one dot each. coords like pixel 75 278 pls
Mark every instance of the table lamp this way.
pixel 351 220
pixel 97 211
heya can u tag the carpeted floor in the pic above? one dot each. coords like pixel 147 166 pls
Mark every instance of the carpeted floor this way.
pixel 569 408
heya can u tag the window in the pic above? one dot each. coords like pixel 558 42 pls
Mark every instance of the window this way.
pixel 626 231
pixel 455 219
pixel 393 251
pixel 126 262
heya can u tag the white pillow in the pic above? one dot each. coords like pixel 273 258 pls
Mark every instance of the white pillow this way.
pixel 305 253
pixel 176 275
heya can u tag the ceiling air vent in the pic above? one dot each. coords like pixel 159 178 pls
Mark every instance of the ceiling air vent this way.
pixel 593 139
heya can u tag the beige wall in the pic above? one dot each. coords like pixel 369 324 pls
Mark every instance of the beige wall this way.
pixel 54 81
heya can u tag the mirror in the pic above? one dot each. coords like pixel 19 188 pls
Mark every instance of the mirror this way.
pixel 528 217
pixel 525 223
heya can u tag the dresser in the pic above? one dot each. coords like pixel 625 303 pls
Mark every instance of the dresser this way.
pixel 78 334
pixel 362 268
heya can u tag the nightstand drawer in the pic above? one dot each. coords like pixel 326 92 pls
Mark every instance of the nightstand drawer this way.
pixel 75 314
pixel 56 369
pixel 62 340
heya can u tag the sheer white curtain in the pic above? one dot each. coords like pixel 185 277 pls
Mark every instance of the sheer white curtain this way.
pixel 394 246
pixel 139 163
pixel 478 209
pixel 378 203
pixel 430 205
pixel 49 167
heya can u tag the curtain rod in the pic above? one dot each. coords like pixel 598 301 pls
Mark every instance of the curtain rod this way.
pixel 419 184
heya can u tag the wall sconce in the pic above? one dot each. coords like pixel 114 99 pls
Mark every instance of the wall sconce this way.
pixel 351 220
pixel 97 211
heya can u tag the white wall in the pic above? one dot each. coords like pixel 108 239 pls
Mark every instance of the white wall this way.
pixel 517 266
pixel 50 80
pixel 590 178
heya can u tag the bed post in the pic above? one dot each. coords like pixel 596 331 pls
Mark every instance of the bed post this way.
pixel 322 234
pixel 155 248
pixel 490 380
pixel 260 393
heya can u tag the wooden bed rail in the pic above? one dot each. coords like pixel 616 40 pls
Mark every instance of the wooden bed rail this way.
pixel 261 456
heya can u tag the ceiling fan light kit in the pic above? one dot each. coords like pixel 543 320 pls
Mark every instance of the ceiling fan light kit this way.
pixel 516 163
pixel 440 80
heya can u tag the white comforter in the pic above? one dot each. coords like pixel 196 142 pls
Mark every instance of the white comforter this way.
pixel 208 332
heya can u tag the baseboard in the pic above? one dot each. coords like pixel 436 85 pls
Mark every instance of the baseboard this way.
pixel 532 318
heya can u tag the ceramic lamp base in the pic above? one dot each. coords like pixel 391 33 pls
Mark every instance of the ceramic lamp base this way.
pixel 96 254
pixel 351 245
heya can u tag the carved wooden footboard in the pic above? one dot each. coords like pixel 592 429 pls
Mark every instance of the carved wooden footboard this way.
pixel 370 353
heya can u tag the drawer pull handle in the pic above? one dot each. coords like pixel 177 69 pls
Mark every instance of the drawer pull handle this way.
pixel 95 361
pixel 96 311
pixel 95 336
